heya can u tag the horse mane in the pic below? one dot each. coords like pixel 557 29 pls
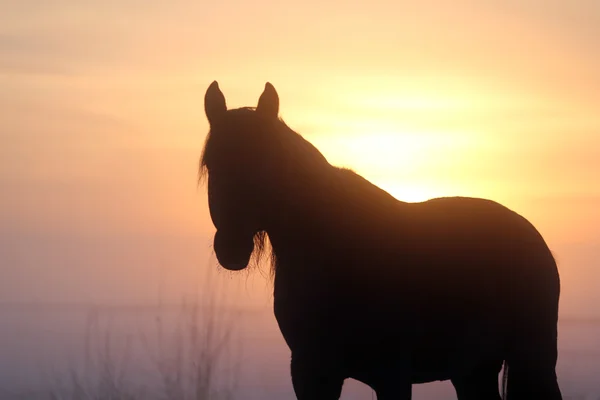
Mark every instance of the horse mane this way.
pixel 310 154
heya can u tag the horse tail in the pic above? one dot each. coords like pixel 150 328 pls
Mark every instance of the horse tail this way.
pixel 504 379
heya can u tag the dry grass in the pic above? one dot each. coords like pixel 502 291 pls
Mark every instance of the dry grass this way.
pixel 197 358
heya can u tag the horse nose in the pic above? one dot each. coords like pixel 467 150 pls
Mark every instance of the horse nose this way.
pixel 234 266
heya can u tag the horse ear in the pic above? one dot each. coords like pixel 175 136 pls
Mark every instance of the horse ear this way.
pixel 268 103
pixel 214 102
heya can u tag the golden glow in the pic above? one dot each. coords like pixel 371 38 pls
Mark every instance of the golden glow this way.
pixel 411 193
pixel 102 121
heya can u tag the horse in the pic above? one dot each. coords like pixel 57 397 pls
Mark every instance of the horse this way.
pixel 368 287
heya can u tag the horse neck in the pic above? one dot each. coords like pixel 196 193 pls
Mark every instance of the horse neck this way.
pixel 319 204
pixel 293 200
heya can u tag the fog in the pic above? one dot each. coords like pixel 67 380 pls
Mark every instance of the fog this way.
pixel 61 308
pixel 108 283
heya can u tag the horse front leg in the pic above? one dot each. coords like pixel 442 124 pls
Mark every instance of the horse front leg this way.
pixel 315 378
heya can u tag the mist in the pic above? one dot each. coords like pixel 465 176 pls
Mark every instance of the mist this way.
pixel 108 281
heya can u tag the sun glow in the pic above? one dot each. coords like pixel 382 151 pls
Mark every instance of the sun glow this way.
pixel 411 193
pixel 404 162
pixel 365 151
pixel 102 123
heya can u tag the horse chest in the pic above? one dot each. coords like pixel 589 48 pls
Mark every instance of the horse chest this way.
pixel 317 313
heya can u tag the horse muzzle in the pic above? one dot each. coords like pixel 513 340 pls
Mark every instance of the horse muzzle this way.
pixel 233 251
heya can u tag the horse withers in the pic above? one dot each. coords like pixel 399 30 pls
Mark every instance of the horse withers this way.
pixel 372 288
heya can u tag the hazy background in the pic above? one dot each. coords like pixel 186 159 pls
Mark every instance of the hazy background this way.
pixel 102 123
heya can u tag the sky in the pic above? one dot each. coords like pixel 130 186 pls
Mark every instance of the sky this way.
pixel 102 124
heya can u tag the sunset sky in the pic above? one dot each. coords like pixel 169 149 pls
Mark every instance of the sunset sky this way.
pixel 102 123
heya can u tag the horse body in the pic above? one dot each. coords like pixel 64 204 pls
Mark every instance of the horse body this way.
pixel 432 281
pixel 371 288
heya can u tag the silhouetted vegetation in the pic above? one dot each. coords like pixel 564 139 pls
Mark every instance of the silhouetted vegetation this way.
pixel 195 359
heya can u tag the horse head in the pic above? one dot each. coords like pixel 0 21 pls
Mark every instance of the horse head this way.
pixel 236 160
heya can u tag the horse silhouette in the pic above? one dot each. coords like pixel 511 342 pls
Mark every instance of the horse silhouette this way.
pixel 372 288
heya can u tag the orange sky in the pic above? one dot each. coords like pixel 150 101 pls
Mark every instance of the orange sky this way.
pixel 102 122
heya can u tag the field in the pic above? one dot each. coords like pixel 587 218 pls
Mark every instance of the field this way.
pixel 199 349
